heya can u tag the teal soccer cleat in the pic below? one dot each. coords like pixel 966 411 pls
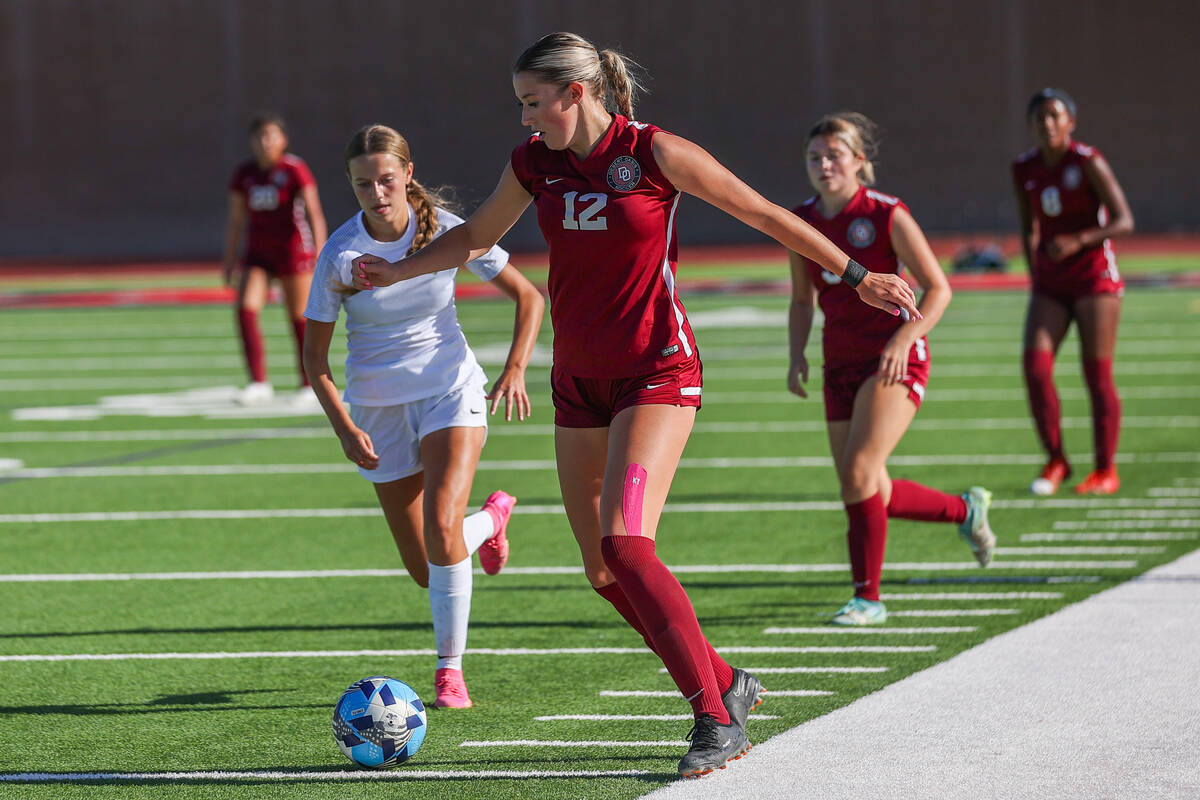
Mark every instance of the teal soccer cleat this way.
pixel 860 611
pixel 975 530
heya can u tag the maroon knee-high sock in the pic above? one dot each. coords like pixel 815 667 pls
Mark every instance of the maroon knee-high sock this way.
pixel 614 595
pixel 867 538
pixel 1106 409
pixel 912 500
pixel 252 345
pixel 298 332
pixel 1043 400
pixel 669 619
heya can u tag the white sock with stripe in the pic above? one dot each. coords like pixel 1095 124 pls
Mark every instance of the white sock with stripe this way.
pixel 450 601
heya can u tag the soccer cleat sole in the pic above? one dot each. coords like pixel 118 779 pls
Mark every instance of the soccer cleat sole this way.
pixel 701 773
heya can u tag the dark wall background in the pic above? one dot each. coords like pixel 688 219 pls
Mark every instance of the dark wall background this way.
pixel 122 119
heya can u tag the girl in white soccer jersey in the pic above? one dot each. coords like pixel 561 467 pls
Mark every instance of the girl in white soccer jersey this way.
pixel 417 420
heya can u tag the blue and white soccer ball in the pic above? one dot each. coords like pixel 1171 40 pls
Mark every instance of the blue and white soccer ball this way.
pixel 379 722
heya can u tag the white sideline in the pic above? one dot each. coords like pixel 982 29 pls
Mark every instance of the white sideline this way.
pixel 1096 700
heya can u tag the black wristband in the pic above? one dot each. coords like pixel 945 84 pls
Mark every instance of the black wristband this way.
pixel 854 274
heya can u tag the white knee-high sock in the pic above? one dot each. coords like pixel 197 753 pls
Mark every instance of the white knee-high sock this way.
pixel 477 529
pixel 450 601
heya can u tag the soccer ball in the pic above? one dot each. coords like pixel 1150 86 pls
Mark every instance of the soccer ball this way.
pixel 379 722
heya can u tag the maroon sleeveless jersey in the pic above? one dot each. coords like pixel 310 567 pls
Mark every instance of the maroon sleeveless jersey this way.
pixel 277 226
pixel 1063 200
pixel 855 331
pixel 609 221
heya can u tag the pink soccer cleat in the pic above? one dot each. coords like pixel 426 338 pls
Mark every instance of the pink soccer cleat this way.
pixel 451 689
pixel 493 554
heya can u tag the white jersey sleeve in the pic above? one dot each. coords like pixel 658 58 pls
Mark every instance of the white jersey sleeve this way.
pixel 324 302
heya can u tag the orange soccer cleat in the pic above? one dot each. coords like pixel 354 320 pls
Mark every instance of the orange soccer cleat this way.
pixel 1055 472
pixel 1102 481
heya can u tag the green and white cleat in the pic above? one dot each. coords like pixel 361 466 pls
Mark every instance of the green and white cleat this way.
pixel 860 611
pixel 975 530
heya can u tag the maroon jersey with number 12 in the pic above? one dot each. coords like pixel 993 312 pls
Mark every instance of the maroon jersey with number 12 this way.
pixel 277 229
pixel 609 221
pixel 855 331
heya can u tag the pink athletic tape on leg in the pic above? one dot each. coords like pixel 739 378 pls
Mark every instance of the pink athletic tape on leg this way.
pixel 631 499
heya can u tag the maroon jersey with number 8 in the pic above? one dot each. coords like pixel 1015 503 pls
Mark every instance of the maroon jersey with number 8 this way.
pixel 609 221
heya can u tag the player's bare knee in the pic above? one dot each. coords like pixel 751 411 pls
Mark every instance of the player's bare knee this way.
pixel 858 476
pixel 598 575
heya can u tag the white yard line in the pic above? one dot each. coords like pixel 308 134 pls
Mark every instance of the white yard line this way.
pixel 1148 536
pixel 631 717
pixel 1127 523
pixel 675 694
pixel 954 612
pixel 541 743
pixel 1140 513
pixel 482 651
pixel 806 670
pixel 331 776
pixel 1178 491
pixel 1078 551
pixel 321 431
pixel 682 569
pixel 16 469
pixel 555 510
pixel 836 629
pixel 971 596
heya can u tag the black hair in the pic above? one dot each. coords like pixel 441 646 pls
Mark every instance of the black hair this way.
pixel 265 118
pixel 1047 94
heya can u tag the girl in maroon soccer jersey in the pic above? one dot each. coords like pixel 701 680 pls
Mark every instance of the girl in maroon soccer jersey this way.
pixel 876 366
pixel 275 208
pixel 626 378
pixel 1070 204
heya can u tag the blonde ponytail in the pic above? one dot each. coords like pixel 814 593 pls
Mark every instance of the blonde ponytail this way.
pixel 563 58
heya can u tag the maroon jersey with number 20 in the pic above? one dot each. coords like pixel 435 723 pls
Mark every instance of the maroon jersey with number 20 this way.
pixel 609 221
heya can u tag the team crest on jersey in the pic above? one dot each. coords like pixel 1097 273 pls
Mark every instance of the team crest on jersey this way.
pixel 279 177
pixel 624 173
pixel 1072 176
pixel 861 232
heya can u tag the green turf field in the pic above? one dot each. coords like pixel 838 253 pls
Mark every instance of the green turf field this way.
pixel 185 547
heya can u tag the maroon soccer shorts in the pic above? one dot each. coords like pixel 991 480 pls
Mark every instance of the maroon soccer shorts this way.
pixel 593 402
pixel 281 264
pixel 842 382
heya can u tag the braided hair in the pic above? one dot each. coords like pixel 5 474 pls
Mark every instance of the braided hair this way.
pixel 424 201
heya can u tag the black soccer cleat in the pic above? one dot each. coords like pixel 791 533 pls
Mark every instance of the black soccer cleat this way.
pixel 713 746
pixel 743 696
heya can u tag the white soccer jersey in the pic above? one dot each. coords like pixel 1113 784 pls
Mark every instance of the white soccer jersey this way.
pixel 404 340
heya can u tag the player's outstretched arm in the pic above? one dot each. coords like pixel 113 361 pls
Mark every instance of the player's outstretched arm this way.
pixel 456 246
pixel 693 170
